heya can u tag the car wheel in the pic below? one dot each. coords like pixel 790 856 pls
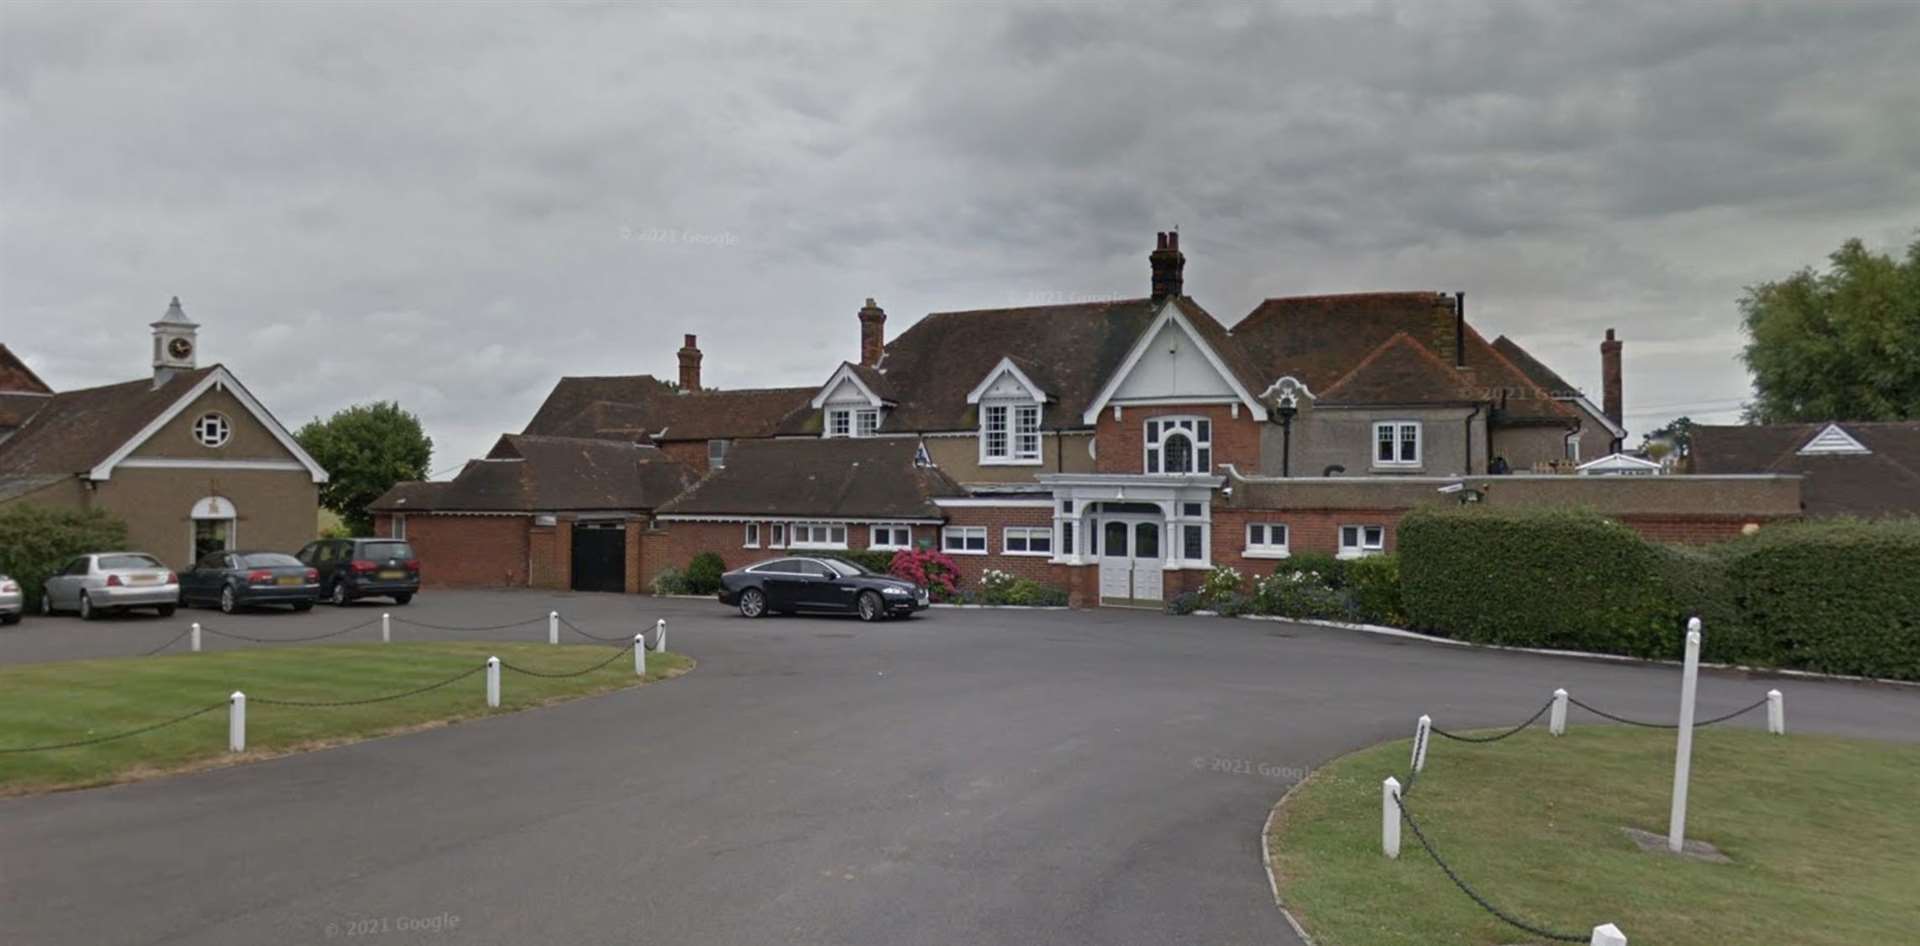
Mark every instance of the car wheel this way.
pixel 166 610
pixel 870 607
pixel 46 605
pixel 228 604
pixel 402 599
pixel 9 619
pixel 303 605
pixel 87 613
pixel 338 594
pixel 753 603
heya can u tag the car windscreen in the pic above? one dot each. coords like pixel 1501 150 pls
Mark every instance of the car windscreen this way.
pixel 269 560
pixel 110 563
pixel 384 550
pixel 846 568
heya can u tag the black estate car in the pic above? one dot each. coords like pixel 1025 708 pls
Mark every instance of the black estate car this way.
pixel 235 580
pixel 810 583
pixel 364 568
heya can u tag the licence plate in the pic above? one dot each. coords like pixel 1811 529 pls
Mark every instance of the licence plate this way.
pixel 142 579
pixel 289 579
pixel 392 576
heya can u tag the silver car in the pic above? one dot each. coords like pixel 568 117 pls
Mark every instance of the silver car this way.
pixel 12 602
pixel 103 582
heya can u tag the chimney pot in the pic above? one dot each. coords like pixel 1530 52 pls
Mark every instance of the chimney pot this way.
pixel 690 365
pixel 873 333
pixel 1167 262
pixel 1611 399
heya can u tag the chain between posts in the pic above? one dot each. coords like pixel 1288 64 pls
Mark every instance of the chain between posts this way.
pixel 1697 723
pixel 1530 721
pixel 575 673
pixel 1485 904
pixel 122 735
pixel 287 640
pixel 591 636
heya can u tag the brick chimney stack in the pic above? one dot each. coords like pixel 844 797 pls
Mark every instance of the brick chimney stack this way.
pixel 1167 263
pixel 873 333
pixel 1610 401
pixel 690 365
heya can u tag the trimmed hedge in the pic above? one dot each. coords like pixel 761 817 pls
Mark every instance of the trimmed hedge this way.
pixel 702 576
pixel 36 541
pixel 1373 583
pixel 1834 596
pixel 879 563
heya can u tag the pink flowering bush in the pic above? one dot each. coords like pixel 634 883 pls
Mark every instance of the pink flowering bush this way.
pixel 929 569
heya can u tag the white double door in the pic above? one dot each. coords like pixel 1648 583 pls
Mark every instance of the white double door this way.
pixel 1132 559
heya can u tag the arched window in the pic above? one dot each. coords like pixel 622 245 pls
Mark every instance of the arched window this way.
pixel 1179 445
pixel 213 526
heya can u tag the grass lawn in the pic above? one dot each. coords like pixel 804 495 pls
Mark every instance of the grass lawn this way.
pixel 1824 835
pixel 73 700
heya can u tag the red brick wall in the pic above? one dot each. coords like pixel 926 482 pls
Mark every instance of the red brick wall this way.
pixel 996 519
pixel 1122 443
pixel 674 545
pixel 466 551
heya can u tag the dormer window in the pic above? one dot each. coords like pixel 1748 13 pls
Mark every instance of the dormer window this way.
pixel 849 407
pixel 1179 445
pixel 1009 405
pixel 851 422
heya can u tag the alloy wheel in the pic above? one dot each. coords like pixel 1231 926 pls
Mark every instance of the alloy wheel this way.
pixel 86 607
pixel 869 606
pixel 226 600
pixel 339 595
pixel 753 603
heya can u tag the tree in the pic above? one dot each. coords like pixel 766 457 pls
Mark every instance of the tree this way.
pixel 1675 436
pixel 1838 345
pixel 365 449
pixel 36 541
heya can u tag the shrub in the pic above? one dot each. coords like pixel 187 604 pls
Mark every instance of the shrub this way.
pixel 1220 583
pixel 1186 602
pixel 1373 585
pixel 994 585
pixel 929 569
pixel 1834 596
pixel 1003 588
pixel 36 541
pixel 1301 594
pixel 703 573
pixel 1232 604
pixel 1331 570
pixel 872 560
pixel 670 582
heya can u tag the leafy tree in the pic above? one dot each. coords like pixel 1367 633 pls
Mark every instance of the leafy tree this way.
pixel 35 541
pixel 1838 345
pixel 1678 432
pixel 365 449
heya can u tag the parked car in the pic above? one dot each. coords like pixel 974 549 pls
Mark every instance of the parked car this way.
pixel 235 580
pixel 364 568
pixel 808 583
pixel 104 582
pixel 12 600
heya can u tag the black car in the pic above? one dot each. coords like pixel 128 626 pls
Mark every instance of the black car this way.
pixel 235 580
pixel 364 568
pixel 806 583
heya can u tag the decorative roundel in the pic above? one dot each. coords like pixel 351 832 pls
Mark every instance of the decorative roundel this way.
pixel 213 429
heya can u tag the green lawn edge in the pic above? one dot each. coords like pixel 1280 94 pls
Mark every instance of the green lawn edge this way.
pixel 1819 829
pixel 60 701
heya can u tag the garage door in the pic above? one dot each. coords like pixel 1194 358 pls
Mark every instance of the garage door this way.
pixel 599 556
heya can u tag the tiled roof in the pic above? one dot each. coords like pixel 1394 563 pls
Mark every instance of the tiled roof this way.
pixel 76 430
pixel 1400 371
pixel 841 478
pixel 15 376
pixel 526 473
pixel 16 408
pixel 1534 369
pixel 1881 483
pixel 631 408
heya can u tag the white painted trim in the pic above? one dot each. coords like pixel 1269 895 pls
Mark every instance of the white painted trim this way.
pixel 1006 365
pixel 1621 461
pixel 986 539
pixel 1419 445
pixel 888 546
pixel 994 503
pixel 845 373
pixel 1172 401
pixel 1028 532
pixel 788 517
pixel 1612 428
pixel 1277 388
pixel 1169 312
pixel 171 463
pixel 1832 440
pixel 221 379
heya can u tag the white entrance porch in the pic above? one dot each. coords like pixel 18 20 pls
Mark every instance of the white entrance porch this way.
pixel 1135 528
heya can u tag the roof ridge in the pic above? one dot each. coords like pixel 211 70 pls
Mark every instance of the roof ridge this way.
pixel 1095 303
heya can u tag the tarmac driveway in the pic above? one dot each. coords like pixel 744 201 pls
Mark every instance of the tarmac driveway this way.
pixel 966 777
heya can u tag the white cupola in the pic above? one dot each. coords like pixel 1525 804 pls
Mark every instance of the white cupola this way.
pixel 175 344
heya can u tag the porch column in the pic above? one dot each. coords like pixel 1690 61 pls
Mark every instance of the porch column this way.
pixel 1170 533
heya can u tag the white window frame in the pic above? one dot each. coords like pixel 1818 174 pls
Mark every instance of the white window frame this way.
pixel 839 422
pixel 220 426
pixel 890 532
pixel 866 423
pixel 397 529
pixel 1573 446
pixel 1026 433
pixel 964 534
pixel 1266 547
pixel 777 536
pixel 752 538
pixel 1365 547
pixel 1026 534
pixel 1398 429
pixel 1153 441
pixel 826 530
pixel 717 458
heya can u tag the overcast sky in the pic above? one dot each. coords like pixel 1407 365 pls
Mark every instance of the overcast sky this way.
pixel 453 205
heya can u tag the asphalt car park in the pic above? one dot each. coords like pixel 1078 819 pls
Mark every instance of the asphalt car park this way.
pixel 970 776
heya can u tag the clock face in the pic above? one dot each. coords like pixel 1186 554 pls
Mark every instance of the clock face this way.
pixel 179 348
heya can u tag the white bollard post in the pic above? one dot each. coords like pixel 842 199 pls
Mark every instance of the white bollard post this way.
pixel 660 636
pixel 237 722
pixel 1776 713
pixel 493 682
pixel 1683 753
pixel 193 639
pixel 1421 730
pixel 386 628
pixel 1390 817
pixel 1606 934
pixel 1557 722
pixel 553 627
pixel 640 655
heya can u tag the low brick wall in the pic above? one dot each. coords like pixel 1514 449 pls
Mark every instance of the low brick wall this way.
pixel 467 551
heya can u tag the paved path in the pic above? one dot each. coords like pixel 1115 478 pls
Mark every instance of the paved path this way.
pixel 967 777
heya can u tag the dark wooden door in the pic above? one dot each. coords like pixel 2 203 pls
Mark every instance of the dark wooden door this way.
pixel 599 557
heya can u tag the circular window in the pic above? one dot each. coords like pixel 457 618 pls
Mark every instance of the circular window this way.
pixel 212 429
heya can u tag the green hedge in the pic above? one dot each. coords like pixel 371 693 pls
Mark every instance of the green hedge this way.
pixel 1373 583
pixel 702 576
pixel 36 541
pixel 1539 578
pixel 873 561
pixel 1834 596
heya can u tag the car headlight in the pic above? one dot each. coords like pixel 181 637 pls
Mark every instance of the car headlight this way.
pixel 896 590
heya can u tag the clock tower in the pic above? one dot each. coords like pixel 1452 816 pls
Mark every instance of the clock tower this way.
pixel 174 344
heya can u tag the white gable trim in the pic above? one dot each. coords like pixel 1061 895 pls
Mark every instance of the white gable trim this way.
pixel 1597 414
pixel 1006 366
pixel 1285 385
pixel 1833 440
pixel 845 373
pixel 1618 463
pixel 218 379
pixel 1168 313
